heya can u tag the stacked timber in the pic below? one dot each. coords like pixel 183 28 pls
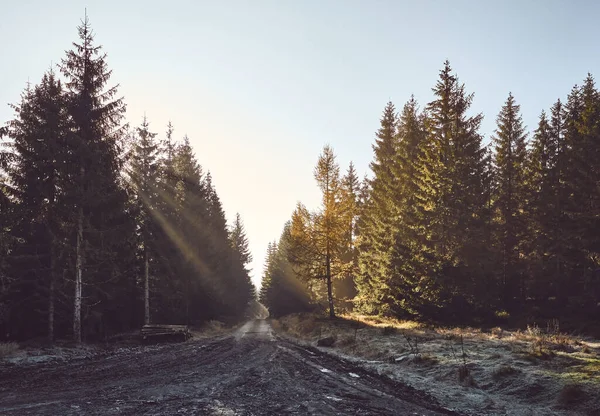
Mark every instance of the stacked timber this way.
pixel 158 333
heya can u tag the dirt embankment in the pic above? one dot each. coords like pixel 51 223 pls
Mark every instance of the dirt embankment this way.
pixel 532 372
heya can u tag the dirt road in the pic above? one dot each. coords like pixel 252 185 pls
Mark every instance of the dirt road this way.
pixel 251 372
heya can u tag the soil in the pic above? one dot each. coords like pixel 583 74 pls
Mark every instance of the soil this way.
pixel 249 372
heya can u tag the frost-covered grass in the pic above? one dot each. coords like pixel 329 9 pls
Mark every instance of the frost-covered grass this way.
pixel 530 371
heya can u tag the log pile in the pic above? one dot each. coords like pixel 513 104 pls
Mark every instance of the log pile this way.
pixel 157 333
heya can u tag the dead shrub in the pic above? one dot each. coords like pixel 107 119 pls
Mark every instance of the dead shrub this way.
pixel 8 348
pixel 413 345
pixel 539 346
pixel 464 374
pixel 570 395
pixel 586 349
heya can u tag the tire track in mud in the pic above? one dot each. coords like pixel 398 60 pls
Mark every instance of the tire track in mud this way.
pixel 250 372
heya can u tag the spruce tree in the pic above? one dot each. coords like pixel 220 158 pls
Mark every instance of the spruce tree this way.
pixel 144 172
pixel 509 203
pixel 584 178
pixel 540 209
pixel 99 202
pixel 377 218
pixel 282 290
pixel 190 228
pixel 451 196
pixel 344 286
pixel 38 177
pixel 559 191
pixel 239 242
pixel 406 243
pixel 267 282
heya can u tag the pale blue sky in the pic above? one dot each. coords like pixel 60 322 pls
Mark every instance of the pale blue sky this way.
pixel 259 86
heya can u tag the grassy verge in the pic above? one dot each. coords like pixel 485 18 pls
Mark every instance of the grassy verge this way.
pixel 496 371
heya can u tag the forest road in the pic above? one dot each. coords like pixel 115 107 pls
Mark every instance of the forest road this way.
pixel 252 372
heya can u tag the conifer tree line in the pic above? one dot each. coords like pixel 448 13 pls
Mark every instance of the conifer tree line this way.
pixel 449 228
pixel 104 227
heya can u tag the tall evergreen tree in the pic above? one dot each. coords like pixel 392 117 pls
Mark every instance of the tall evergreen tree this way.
pixel 267 281
pixel 100 202
pixel 349 199
pixel 451 194
pixel 38 176
pixel 144 173
pixel 540 208
pixel 239 241
pixel 510 170
pixel 282 290
pixel 585 180
pixel 559 190
pixel 377 218
pixel 407 244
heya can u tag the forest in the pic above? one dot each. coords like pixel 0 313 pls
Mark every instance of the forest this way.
pixel 103 226
pixel 451 226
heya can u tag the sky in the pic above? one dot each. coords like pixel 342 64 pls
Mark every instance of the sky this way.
pixel 260 86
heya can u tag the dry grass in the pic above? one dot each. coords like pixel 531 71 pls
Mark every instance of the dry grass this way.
pixel 377 321
pixel 497 332
pixel 303 326
pixel 513 365
pixel 212 328
pixel 8 348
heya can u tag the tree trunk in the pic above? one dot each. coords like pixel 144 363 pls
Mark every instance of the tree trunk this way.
pixel 329 289
pixel 146 288
pixel 78 278
pixel 52 285
pixel 51 302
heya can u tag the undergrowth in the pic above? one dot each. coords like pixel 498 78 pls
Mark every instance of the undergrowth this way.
pixel 8 348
